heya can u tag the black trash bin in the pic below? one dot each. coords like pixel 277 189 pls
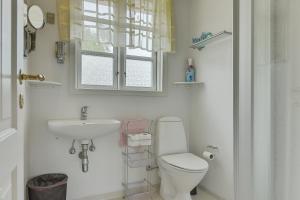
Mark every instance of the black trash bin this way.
pixel 48 187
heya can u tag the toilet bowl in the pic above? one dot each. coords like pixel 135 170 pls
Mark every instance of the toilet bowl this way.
pixel 180 171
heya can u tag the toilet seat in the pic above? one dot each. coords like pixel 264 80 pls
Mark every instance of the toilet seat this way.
pixel 186 162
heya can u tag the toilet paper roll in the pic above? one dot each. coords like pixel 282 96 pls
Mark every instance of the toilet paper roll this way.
pixel 208 155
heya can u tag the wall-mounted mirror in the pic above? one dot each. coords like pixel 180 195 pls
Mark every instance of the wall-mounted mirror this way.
pixel 36 17
pixel 33 20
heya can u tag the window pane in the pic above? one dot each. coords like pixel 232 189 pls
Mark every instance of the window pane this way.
pixel 96 47
pixel 140 13
pixel 89 5
pixel 138 52
pixel 97 70
pixel 105 9
pixel 139 73
pixel 89 8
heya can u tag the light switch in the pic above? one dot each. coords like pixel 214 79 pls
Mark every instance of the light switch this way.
pixel 50 18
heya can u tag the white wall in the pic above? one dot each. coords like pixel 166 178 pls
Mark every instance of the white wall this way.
pixel 26 123
pixel 48 154
pixel 207 110
pixel 212 104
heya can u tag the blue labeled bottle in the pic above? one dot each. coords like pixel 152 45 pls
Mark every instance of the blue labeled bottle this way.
pixel 190 74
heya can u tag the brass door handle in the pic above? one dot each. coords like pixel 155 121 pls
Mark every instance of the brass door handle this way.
pixel 24 77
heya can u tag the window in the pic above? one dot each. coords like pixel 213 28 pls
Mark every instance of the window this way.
pixel 102 66
pixel 139 69
pixel 121 69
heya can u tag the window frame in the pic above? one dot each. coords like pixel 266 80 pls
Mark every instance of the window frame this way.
pixel 119 64
pixel 119 68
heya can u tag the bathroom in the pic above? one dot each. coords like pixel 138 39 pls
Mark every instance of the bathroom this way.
pixel 223 89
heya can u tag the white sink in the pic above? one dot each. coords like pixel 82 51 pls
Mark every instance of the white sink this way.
pixel 83 129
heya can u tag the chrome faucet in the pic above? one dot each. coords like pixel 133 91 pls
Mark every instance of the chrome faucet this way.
pixel 84 113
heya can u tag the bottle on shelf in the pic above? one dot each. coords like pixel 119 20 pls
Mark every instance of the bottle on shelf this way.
pixel 190 74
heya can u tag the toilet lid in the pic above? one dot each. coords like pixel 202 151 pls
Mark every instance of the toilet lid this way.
pixel 186 161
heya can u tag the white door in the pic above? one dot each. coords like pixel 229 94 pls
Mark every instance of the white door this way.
pixel 11 116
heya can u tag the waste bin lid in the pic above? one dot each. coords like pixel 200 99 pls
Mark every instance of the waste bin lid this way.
pixel 47 181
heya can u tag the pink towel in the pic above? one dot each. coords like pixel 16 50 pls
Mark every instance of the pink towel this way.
pixel 132 126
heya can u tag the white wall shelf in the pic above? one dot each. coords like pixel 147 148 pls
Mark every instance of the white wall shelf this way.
pixel 216 37
pixel 44 84
pixel 188 83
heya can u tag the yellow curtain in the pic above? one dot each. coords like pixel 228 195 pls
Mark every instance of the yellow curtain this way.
pixel 145 24
pixel 164 28
pixel 63 15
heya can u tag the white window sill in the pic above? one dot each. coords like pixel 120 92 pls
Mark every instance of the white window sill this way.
pixel 118 92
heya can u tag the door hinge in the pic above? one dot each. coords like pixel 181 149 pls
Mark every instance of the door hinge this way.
pixel 21 101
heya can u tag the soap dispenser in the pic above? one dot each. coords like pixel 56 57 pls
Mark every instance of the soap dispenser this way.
pixel 190 74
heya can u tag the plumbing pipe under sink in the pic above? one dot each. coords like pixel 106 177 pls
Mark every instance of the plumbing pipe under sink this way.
pixel 84 157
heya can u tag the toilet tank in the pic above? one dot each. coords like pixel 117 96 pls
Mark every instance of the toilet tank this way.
pixel 170 136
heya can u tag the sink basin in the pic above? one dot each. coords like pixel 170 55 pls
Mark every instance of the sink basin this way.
pixel 83 129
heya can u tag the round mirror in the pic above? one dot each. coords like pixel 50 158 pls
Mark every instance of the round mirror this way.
pixel 36 17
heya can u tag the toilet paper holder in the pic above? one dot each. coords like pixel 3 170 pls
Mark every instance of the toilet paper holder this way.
pixel 212 148
pixel 210 152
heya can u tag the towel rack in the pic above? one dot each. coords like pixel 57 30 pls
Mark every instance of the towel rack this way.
pixel 215 37
pixel 138 157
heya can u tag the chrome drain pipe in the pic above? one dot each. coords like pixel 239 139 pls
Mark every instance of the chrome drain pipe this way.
pixel 84 157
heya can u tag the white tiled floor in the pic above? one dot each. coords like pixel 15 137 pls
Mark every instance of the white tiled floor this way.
pixel 202 195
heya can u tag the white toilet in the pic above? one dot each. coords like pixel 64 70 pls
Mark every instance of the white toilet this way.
pixel 180 171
